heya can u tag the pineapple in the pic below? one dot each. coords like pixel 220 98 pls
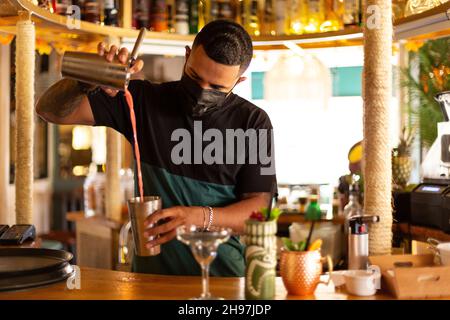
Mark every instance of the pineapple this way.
pixel 401 160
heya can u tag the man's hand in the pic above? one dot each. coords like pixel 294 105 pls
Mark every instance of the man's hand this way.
pixel 173 218
pixel 122 56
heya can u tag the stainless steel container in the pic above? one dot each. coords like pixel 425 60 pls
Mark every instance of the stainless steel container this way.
pixel 94 69
pixel 358 242
pixel 139 211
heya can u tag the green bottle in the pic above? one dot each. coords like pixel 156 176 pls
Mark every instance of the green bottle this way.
pixel 313 212
pixel 193 17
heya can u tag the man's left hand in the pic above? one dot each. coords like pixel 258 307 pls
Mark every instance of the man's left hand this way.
pixel 172 217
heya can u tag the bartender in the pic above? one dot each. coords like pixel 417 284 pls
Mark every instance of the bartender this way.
pixel 194 189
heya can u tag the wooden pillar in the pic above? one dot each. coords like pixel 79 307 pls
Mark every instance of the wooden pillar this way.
pixel 377 98
pixel 6 216
pixel 25 64
pixel 113 161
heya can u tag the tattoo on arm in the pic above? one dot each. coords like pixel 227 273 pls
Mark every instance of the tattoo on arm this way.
pixel 62 99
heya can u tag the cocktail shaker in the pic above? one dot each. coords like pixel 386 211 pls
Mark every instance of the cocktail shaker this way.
pixel 139 211
pixel 94 69
pixel 358 241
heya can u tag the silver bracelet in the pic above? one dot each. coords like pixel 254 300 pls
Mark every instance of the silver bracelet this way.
pixel 211 215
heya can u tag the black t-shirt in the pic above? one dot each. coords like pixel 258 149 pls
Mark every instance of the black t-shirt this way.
pixel 189 161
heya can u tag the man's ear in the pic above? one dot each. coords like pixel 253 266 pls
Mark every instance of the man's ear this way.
pixel 241 79
pixel 187 53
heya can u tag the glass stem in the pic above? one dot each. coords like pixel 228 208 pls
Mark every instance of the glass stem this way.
pixel 205 281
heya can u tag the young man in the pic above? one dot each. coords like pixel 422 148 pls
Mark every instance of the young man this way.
pixel 191 112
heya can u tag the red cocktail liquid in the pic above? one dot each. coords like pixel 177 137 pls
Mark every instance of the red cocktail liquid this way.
pixel 129 99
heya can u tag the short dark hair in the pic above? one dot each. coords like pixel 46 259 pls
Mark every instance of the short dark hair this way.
pixel 226 42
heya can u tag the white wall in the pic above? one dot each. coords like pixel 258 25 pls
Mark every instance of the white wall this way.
pixel 311 144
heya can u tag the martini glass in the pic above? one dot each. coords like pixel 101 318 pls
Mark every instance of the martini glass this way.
pixel 204 246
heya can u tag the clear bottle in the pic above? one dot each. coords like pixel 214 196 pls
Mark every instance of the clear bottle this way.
pixel 316 15
pixel 352 12
pixel 352 209
pixel 334 12
pixel 182 17
pixel 126 189
pixel 214 12
pixel 268 24
pixel 250 17
pixel 417 6
pixel 224 10
pixel 282 20
pixel 93 189
pixel 297 16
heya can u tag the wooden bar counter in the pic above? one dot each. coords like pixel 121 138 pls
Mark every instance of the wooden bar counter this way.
pixel 99 284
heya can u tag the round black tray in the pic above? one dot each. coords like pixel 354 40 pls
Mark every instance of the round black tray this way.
pixel 26 267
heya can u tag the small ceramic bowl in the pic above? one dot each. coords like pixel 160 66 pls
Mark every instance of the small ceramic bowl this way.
pixel 362 282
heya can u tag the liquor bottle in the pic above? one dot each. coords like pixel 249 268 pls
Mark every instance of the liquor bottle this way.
pixel 298 16
pixel 225 10
pixel 182 16
pixel 398 8
pixel 282 20
pixel 61 6
pixel 352 13
pixel 170 17
pixel 141 14
pixel 334 11
pixel 46 4
pixel 249 16
pixel 204 12
pixel 158 16
pixel 193 16
pixel 268 20
pixel 92 11
pixel 214 13
pixel 316 15
pixel 111 13
pixel 418 6
pixel 82 5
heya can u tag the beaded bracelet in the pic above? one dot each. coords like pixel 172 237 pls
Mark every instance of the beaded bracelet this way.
pixel 211 215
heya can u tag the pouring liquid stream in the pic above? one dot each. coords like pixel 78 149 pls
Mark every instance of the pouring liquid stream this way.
pixel 137 154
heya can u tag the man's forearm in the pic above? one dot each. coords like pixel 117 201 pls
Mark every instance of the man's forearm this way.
pixel 61 100
pixel 232 216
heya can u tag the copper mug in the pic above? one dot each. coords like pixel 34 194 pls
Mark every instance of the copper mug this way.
pixel 301 270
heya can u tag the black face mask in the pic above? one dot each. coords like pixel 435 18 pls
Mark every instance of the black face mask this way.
pixel 198 100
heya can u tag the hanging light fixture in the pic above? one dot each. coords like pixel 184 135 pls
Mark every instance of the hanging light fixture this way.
pixel 298 75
